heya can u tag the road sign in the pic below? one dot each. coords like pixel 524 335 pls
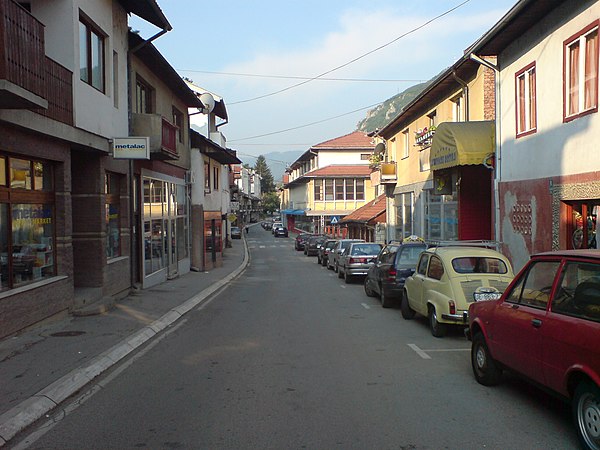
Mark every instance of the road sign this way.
pixel 335 220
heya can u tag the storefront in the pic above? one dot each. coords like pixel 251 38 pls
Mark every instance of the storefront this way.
pixel 165 226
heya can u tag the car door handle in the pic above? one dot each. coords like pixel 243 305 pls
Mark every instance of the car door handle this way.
pixel 536 323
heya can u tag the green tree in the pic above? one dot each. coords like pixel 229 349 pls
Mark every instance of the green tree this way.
pixel 270 202
pixel 267 183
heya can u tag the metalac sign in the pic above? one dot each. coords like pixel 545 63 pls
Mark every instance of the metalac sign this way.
pixel 131 148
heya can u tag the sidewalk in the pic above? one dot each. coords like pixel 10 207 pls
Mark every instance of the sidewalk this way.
pixel 42 367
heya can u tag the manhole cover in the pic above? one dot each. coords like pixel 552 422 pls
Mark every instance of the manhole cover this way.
pixel 67 333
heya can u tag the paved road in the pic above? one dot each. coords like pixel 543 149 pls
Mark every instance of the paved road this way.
pixel 289 356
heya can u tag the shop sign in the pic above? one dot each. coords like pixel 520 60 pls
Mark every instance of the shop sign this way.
pixel 444 157
pixel 131 148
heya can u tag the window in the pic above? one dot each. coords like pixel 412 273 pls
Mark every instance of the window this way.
pixel 422 267
pixel 581 73
pixel 405 143
pixel 113 199
pixel 216 178
pixel 457 115
pixel 178 121
pixel 436 268
pixel 115 79
pixel 526 100
pixel 349 189
pixel 318 190
pixel 533 289
pixel 339 189
pixel 328 190
pixel 365 156
pixel 143 97
pixel 579 291
pixel 360 189
pixel 404 216
pixel 432 119
pixel 91 55
pixel 26 222
pixel 206 177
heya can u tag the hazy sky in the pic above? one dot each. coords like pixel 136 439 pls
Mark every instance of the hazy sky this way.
pixel 278 41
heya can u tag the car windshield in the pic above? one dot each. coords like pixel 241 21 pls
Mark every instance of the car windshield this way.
pixel 365 249
pixel 479 265
pixel 409 255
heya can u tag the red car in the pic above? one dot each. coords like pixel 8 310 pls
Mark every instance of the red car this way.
pixel 546 327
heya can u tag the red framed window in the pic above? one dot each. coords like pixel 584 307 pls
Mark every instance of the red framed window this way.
pixel 526 110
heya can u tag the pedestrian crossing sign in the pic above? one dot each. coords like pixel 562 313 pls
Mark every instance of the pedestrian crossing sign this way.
pixel 334 220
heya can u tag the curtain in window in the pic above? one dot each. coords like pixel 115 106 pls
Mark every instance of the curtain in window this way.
pixel 591 70
pixel 574 78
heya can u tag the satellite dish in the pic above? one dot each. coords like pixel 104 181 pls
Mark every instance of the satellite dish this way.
pixel 380 148
pixel 208 101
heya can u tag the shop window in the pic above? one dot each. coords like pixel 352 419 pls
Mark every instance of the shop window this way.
pixel 526 100
pixel 581 73
pixel 113 218
pixel 582 224
pixel 91 54
pixel 404 215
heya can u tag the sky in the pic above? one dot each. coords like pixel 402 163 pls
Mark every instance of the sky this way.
pixel 245 51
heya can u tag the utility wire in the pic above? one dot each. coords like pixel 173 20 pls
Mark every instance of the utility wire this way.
pixel 305 125
pixel 355 59
pixel 256 75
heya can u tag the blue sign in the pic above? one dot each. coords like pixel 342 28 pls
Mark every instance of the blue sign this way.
pixel 335 220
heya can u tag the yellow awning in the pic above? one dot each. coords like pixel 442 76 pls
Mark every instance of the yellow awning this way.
pixel 462 143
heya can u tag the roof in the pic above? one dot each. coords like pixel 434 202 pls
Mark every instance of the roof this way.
pixel 152 58
pixel 354 140
pixel 219 109
pixel 147 10
pixel 333 171
pixel 515 22
pixel 372 211
pixel 213 150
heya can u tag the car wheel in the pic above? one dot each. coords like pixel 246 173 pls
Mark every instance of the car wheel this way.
pixel 368 289
pixel 347 278
pixel 586 412
pixel 407 312
pixel 318 259
pixel 324 262
pixel 437 329
pixel 339 272
pixel 386 301
pixel 485 369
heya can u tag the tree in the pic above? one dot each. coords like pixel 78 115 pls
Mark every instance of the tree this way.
pixel 266 182
pixel 270 202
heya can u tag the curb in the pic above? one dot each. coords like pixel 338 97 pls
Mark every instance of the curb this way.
pixel 27 412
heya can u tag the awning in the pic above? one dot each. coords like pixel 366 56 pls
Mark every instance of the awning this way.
pixel 462 143
pixel 293 212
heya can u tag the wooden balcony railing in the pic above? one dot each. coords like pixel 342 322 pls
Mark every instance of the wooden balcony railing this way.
pixel 24 63
pixel 22 55
pixel 169 137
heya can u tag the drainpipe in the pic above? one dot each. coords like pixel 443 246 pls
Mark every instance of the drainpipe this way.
pixel 498 165
pixel 465 89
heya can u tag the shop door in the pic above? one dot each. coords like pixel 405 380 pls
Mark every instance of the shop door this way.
pixel 171 230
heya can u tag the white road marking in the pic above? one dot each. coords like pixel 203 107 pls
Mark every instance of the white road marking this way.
pixel 342 286
pixel 365 306
pixel 420 352
pixel 262 246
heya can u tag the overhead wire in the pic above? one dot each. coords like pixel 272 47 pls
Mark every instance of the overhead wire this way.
pixel 353 60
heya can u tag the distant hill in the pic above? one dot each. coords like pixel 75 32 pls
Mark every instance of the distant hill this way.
pixel 277 161
pixel 380 116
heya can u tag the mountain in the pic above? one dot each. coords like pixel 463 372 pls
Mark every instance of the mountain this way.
pixel 380 116
pixel 277 162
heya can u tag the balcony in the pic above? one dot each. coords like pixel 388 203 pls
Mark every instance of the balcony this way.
pixel 162 133
pixel 28 78
pixel 384 173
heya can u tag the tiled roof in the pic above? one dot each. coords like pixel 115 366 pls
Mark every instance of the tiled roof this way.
pixel 348 170
pixel 370 212
pixel 357 139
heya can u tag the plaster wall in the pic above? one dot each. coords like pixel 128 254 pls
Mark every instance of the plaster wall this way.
pixel 338 157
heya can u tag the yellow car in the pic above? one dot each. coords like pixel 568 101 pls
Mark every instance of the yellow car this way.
pixel 448 279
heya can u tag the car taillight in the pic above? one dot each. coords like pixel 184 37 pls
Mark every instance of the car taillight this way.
pixel 452 307
pixel 392 273
pixel 357 261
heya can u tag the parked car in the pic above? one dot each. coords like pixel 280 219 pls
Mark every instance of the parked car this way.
pixel 267 225
pixel 236 233
pixel 341 246
pixel 300 240
pixel 276 225
pixel 446 281
pixel 324 250
pixel 280 232
pixel 395 262
pixel 311 247
pixel 357 260
pixel 546 327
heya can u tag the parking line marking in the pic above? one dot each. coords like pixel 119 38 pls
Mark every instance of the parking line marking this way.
pixel 365 306
pixel 419 352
